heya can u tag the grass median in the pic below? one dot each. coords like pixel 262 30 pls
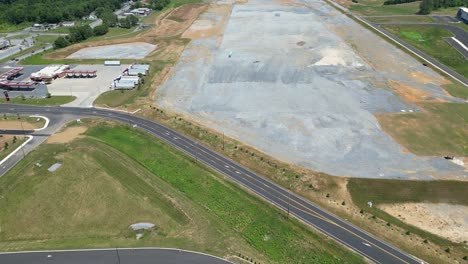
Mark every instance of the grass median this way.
pixel 52 101
pixel 431 40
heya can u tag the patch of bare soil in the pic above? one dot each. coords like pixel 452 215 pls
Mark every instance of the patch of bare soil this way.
pixel 425 79
pixel 9 124
pixel 445 220
pixel 176 22
pixel 207 28
pixel 166 28
pixel 411 94
pixel 67 135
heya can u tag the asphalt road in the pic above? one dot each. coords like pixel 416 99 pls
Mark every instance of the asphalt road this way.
pixel 394 38
pixel 327 223
pixel 433 61
pixel 111 256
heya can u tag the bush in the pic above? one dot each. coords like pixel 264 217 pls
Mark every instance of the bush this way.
pixel 447 250
pixel 465 257
pixel 408 233
pixel 61 42
pixel 48 95
pixel 101 30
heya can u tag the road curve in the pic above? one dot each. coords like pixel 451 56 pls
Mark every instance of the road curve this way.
pixel 111 256
pixel 343 232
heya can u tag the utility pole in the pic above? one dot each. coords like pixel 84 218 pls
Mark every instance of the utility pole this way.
pixel 223 141
pixel 118 257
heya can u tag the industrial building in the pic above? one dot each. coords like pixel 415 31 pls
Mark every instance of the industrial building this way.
pixel 130 77
pixel 111 63
pixel 80 74
pixel 50 73
pixel 4 43
pixel 463 14
pixel 137 69
pixel 11 88
pixel 139 12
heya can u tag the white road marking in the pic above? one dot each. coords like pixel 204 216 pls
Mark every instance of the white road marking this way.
pixel 366 244
pixel 226 166
pixel 238 172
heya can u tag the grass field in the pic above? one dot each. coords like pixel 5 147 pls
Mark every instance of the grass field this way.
pixel 11 146
pixel 457 89
pixel 402 19
pixel 399 191
pixel 430 41
pixel 192 207
pixel 376 8
pixel 439 130
pixel 54 100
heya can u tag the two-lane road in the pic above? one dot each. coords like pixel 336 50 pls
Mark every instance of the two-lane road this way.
pixel 327 223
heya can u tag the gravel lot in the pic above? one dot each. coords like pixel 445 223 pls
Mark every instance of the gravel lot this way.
pixel 118 51
pixel 284 80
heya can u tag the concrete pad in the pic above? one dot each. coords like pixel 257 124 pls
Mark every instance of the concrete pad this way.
pixel 86 89
pixel 119 51
pixel 280 78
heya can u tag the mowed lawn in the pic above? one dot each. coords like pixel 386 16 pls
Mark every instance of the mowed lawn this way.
pixel 430 40
pixel 52 101
pixel 440 129
pixel 99 191
pixel 377 8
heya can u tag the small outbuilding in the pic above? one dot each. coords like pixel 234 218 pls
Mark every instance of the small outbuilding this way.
pixel 463 14
pixel 111 63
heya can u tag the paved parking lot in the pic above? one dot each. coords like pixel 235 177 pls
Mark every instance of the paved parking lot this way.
pixel 86 89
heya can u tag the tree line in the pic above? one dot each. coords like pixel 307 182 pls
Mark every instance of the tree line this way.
pixel 50 11
pixel 427 6
pixel 80 33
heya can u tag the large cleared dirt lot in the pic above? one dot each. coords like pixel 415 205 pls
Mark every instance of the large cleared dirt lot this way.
pixel 301 82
